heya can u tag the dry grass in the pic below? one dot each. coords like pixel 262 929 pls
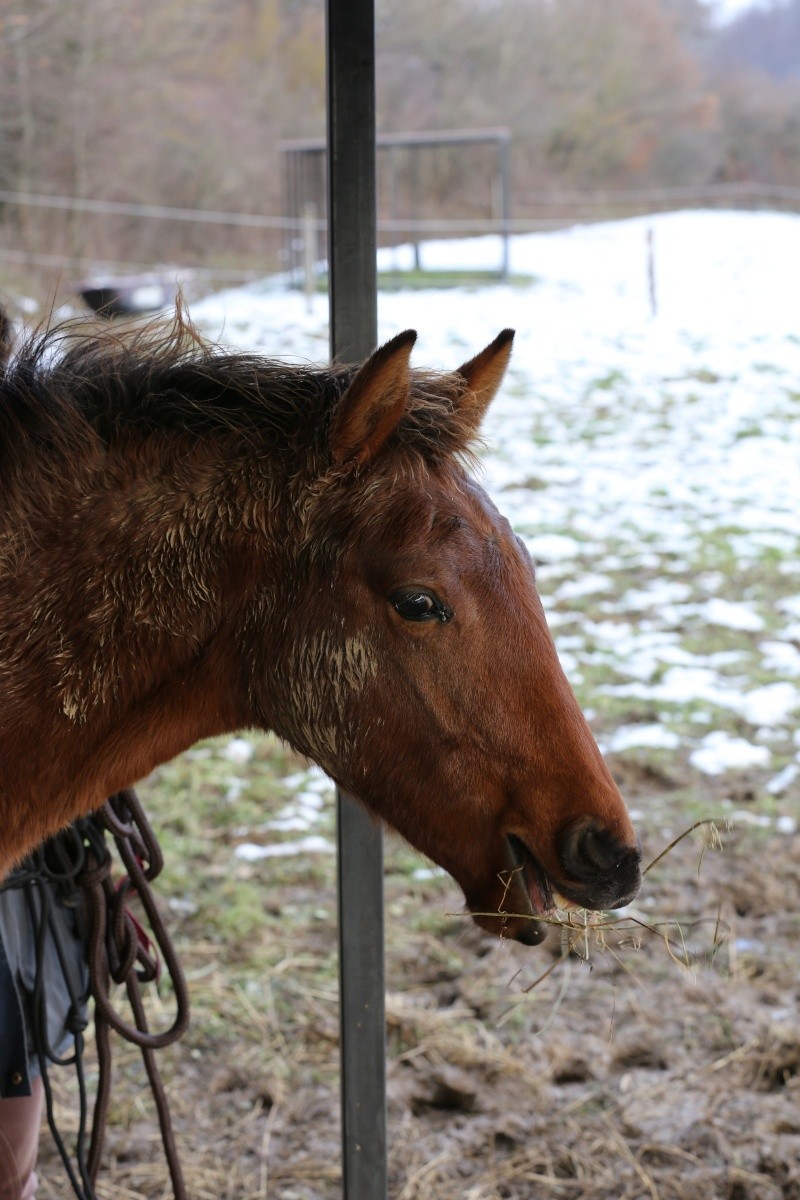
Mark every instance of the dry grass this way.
pixel 635 1058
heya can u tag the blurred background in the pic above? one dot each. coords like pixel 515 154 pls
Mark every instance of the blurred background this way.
pixel 122 118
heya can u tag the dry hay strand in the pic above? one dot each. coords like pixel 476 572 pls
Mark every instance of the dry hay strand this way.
pixel 585 933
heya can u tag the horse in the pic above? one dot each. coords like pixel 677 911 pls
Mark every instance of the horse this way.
pixel 195 541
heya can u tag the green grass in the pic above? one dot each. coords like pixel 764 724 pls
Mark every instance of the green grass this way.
pixel 422 280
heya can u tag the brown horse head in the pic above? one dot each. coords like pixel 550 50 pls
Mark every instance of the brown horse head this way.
pixel 432 689
pixel 193 541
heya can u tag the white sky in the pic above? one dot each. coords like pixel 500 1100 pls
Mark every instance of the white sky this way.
pixel 726 9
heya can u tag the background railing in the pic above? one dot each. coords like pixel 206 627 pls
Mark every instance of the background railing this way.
pixel 255 243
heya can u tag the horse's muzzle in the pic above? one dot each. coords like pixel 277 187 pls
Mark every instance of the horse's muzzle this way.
pixel 602 872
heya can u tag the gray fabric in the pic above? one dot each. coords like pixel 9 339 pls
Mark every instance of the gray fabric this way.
pixel 13 1050
pixel 64 967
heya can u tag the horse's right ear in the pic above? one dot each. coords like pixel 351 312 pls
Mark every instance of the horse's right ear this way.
pixel 483 375
pixel 371 408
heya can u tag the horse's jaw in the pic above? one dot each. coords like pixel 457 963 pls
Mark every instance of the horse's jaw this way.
pixel 516 900
pixel 524 906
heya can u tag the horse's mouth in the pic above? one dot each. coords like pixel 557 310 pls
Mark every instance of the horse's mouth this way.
pixel 534 877
pixel 525 907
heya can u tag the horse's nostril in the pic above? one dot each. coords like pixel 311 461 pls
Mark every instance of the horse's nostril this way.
pixel 588 851
pixel 598 849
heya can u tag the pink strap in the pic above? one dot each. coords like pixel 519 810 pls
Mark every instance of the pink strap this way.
pixel 20 1120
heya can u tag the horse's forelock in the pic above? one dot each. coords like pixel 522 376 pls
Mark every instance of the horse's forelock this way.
pixel 435 423
pixel 161 379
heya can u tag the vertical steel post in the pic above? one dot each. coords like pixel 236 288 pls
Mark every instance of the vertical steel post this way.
pixel 504 150
pixel 352 242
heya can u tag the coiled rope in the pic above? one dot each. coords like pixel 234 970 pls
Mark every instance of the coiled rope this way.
pixel 74 869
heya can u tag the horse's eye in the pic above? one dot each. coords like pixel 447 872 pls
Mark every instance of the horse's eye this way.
pixel 417 604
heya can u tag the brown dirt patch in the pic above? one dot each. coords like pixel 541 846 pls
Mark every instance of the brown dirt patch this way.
pixel 625 1077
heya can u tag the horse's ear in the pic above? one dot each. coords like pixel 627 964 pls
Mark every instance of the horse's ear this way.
pixel 370 409
pixel 483 375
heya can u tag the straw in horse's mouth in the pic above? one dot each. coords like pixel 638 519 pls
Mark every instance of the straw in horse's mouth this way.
pixel 537 885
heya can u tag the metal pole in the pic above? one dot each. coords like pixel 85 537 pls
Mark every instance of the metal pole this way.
pixel 505 184
pixel 309 250
pixel 351 177
pixel 353 300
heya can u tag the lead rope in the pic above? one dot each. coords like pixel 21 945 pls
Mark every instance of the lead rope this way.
pixel 118 952
pixel 78 862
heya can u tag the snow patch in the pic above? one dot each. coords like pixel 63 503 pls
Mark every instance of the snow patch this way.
pixel 784 779
pixel 719 752
pixel 732 616
pixel 252 852
pixel 650 736
pixel 552 546
pixel 238 750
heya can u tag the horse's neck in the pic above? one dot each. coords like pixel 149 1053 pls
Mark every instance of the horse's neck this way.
pixel 118 643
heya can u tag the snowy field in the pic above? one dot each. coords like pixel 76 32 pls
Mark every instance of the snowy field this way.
pixel 652 464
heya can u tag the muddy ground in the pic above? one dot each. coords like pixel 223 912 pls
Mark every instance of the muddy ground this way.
pixel 651 466
pixel 656 1060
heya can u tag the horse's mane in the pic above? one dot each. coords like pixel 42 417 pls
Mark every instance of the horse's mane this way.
pixel 63 383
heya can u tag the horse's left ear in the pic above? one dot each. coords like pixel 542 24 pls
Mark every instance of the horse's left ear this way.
pixel 371 408
pixel 483 375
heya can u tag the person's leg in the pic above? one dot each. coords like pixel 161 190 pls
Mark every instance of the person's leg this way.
pixel 20 1121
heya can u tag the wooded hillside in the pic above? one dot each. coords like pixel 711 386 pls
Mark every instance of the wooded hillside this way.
pixel 184 102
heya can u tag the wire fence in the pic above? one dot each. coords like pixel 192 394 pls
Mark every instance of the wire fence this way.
pixel 56 249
